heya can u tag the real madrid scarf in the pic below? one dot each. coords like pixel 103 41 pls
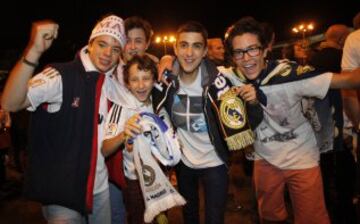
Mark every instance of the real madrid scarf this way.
pixel 159 141
pixel 231 113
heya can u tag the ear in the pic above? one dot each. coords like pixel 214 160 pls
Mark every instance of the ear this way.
pixel 266 50
pixel 147 45
pixel 205 51
pixel 175 49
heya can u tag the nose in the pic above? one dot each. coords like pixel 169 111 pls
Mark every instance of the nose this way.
pixel 107 51
pixel 246 56
pixel 141 84
pixel 132 45
pixel 189 51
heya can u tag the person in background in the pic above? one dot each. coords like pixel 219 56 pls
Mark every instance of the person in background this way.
pixel 66 170
pixel 270 39
pixel 5 139
pixel 356 21
pixel 351 98
pixel 337 164
pixel 139 35
pixel 216 51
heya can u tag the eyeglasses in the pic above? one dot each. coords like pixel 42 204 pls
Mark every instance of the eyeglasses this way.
pixel 251 51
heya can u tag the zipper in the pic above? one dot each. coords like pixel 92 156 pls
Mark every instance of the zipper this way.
pixel 205 97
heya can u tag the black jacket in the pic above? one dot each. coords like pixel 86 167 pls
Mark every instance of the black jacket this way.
pixel 163 96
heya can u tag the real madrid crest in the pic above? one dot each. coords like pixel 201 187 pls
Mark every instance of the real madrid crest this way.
pixel 111 129
pixel 232 111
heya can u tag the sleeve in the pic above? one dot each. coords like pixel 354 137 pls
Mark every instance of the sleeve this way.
pixel 115 121
pixel 351 52
pixel 45 87
pixel 317 86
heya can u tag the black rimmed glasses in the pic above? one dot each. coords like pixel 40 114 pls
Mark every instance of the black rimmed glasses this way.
pixel 251 51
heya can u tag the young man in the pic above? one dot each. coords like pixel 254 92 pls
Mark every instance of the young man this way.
pixel 190 104
pixel 285 149
pixel 66 172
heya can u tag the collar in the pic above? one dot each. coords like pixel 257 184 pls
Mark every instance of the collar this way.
pixel 87 63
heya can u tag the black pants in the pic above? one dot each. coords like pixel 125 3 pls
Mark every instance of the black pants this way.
pixel 215 182
pixel 339 172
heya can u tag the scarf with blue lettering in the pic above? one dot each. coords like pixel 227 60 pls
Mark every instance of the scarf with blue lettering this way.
pixel 158 142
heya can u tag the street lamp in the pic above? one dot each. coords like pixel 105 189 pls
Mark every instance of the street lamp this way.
pixel 303 29
pixel 301 47
pixel 165 40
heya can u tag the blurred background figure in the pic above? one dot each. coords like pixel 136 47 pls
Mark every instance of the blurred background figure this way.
pixel 351 98
pixel 356 21
pixel 337 165
pixel 299 51
pixel 270 39
pixel 216 51
pixel 5 139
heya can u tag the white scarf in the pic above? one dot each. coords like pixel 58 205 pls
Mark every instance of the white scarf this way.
pixel 159 141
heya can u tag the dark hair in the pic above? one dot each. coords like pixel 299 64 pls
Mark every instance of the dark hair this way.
pixel 269 32
pixel 144 63
pixel 138 22
pixel 242 26
pixel 193 26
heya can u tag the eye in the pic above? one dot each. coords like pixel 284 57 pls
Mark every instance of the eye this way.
pixel 116 50
pixel 101 44
pixel 198 46
pixel 183 45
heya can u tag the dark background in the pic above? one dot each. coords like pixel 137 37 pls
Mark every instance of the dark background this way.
pixel 77 17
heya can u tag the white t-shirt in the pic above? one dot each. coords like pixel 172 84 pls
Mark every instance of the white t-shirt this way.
pixel 187 110
pixel 351 52
pixel 47 87
pixel 285 138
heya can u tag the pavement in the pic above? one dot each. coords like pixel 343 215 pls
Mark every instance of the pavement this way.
pixel 14 209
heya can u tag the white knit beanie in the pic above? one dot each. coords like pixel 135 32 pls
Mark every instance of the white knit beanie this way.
pixel 111 25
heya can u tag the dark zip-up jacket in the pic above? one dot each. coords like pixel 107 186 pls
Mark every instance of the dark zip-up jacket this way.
pixel 163 96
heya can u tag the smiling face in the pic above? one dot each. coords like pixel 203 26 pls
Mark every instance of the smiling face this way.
pixel 248 55
pixel 136 43
pixel 140 83
pixel 190 49
pixel 104 52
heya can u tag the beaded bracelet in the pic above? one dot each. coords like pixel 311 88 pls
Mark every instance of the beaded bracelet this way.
pixel 32 64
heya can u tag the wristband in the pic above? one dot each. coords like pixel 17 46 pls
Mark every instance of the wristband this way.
pixel 32 64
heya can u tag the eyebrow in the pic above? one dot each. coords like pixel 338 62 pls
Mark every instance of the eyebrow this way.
pixel 253 45
pixel 193 43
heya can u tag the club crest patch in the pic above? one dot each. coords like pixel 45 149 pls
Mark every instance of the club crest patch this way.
pixel 111 129
pixel 149 175
pixel 232 111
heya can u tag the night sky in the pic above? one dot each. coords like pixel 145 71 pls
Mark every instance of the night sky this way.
pixel 77 17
